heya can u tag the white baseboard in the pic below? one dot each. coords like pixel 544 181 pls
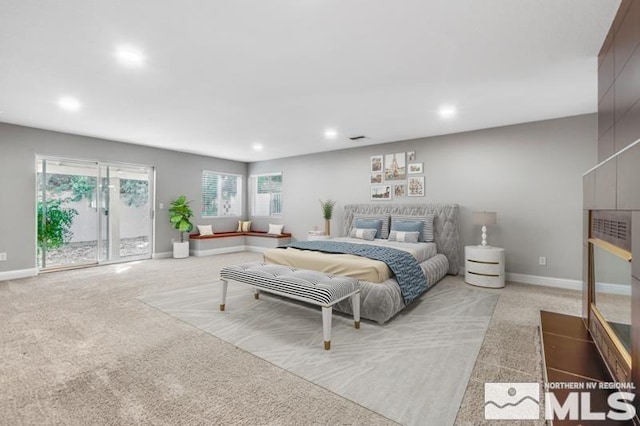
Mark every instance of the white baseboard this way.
pixel 545 281
pixel 613 288
pixel 162 255
pixel 257 249
pixel 17 274
pixel 199 253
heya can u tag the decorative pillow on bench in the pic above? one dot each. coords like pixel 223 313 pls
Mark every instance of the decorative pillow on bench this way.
pixel 244 226
pixel 275 229
pixel 205 230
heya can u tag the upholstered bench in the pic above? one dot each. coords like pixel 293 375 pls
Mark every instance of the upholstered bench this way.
pixel 311 287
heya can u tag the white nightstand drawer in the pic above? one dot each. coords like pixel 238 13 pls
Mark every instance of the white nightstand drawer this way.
pixel 482 268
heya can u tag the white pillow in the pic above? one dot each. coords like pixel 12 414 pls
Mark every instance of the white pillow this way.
pixel 404 237
pixel 275 229
pixel 244 226
pixel 363 233
pixel 205 230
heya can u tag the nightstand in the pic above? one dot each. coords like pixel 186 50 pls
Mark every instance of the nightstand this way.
pixel 484 266
pixel 314 237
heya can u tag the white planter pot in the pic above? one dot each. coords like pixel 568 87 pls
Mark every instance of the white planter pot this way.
pixel 180 250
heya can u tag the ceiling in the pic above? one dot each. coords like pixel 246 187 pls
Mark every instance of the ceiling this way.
pixel 222 76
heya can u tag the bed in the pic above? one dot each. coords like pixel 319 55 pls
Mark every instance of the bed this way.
pixel 381 294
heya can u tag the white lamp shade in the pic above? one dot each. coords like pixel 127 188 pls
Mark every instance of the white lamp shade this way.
pixel 484 218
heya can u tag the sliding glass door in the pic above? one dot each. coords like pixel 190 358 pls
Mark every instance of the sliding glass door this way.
pixel 91 212
pixel 126 219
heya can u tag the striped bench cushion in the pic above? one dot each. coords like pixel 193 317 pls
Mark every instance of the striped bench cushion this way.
pixel 311 285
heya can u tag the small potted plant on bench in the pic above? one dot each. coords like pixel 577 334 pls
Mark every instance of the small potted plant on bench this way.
pixel 327 214
pixel 180 215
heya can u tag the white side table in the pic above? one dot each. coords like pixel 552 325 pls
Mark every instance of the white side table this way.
pixel 484 266
pixel 313 237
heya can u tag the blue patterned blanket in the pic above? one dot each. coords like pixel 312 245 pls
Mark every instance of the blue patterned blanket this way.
pixel 407 270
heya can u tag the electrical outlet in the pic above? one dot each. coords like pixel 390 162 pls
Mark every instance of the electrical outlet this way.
pixel 161 206
pixel 3 256
pixel 543 261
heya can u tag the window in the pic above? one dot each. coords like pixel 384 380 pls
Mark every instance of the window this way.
pixel 266 194
pixel 221 194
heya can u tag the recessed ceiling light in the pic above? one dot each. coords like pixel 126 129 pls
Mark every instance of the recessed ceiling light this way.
pixel 330 134
pixel 129 56
pixel 447 111
pixel 258 147
pixel 69 104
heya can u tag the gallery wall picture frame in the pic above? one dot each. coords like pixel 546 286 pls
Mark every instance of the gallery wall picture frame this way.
pixel 375 178
pixel 381 192
pixel 415 168
pixel 376 165
pixel 395 167
pixel 411 156
pixel 415 186
pixel 400 191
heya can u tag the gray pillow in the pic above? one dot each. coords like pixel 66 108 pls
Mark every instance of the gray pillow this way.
pixel 427 230
pixel 383 218
pixel 404 237
pixel 369 224
pixel 363 233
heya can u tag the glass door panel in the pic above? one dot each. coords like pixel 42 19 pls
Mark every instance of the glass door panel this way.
pixel 126 219
pixel 67 214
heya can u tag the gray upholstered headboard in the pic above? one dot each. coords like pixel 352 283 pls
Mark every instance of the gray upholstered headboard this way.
pixel 446 224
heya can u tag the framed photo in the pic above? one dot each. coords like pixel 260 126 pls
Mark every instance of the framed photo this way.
pixel 415 168
pixel 376 163
pixel 395 167
pixel 399 191
pixel 380 192
pixel 411 156
pixel 415 186
pixel 375 178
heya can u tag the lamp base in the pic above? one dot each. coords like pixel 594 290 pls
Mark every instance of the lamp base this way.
pixel 484 236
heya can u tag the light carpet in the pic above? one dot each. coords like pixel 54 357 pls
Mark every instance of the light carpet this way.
pixel 413 370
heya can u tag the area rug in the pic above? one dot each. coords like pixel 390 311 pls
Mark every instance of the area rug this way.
pixel 413 370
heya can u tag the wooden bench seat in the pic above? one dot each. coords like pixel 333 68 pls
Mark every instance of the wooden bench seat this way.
pixel 236 234
pixel 229 242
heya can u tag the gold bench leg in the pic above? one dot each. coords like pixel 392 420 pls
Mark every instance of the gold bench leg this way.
pixel 326 327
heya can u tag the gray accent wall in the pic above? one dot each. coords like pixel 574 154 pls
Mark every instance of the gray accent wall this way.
pixel 530 174
pixel 176 173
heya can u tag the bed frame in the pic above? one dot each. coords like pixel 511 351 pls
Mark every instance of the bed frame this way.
pixel 382 301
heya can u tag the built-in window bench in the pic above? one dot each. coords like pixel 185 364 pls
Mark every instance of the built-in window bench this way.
pixel 228 242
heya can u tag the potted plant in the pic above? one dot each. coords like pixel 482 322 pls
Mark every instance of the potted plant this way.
pixel 180 215
pixel 327 213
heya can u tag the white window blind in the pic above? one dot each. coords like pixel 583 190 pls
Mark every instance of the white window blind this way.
pixel 266 194
pixel 221 194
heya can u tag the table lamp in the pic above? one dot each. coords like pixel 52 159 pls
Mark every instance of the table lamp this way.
pixel 484 219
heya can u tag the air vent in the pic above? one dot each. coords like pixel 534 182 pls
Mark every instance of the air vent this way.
pixel 357 138
pixel 613 227
pixel 610 228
